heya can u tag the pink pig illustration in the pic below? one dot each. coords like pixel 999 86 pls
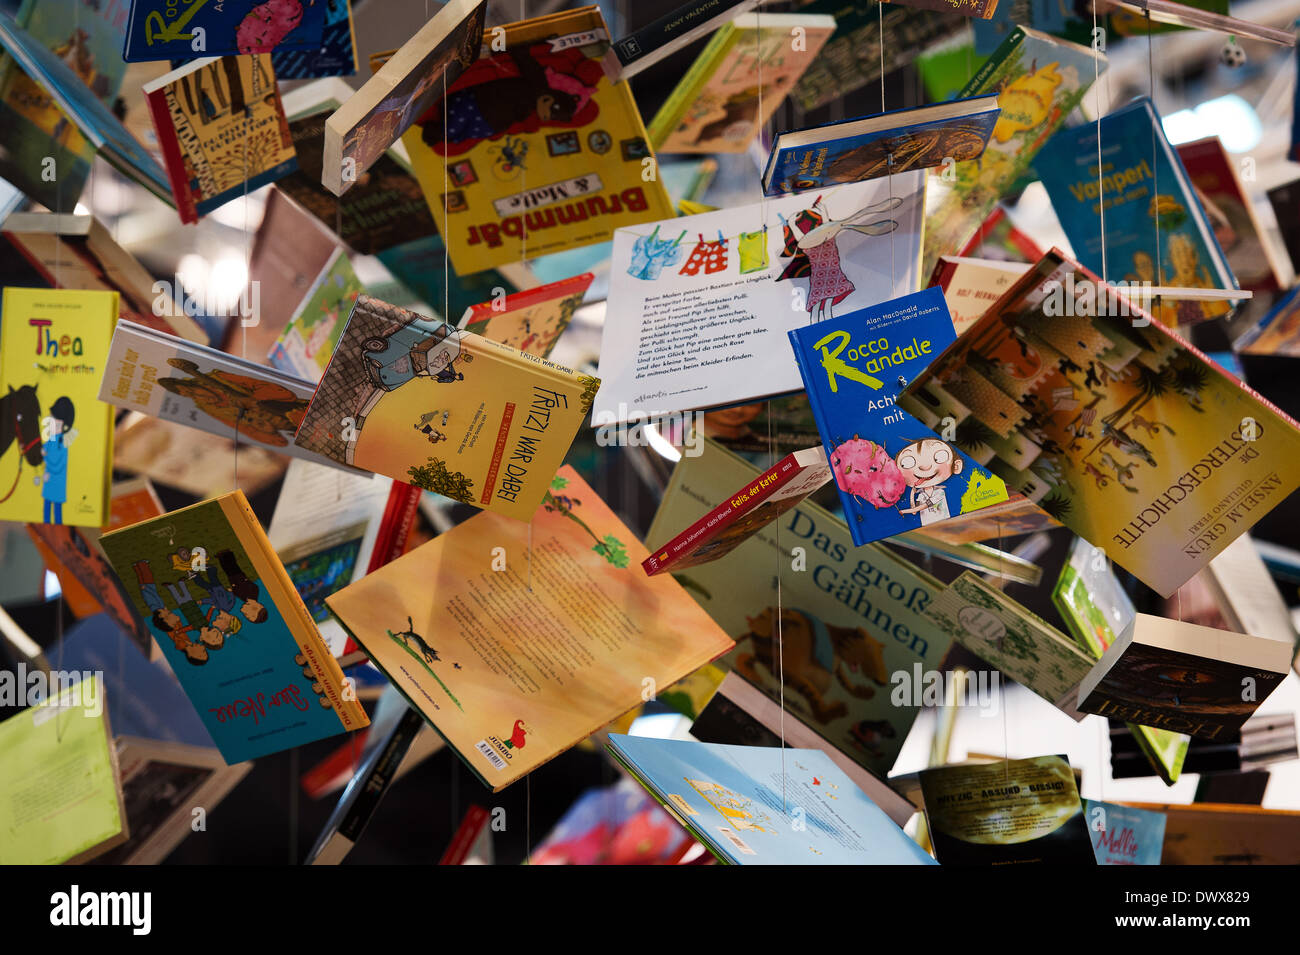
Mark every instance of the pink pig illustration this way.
pixel 267 24
pixel 865 470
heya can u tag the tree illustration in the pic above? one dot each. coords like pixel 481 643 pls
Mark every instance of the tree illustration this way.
pixel 973 435
pixel 434 476
pixel 609 547
pixel 1057 505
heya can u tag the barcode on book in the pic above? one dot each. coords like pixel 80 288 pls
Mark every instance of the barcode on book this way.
pixel 492 756
pixel 736 841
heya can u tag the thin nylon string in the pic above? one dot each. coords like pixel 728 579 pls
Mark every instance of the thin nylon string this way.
pixel 1096 90
pixel 1155 164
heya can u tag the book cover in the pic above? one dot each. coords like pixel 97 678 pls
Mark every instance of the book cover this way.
pixel 60 790
pixel 1218 834
pixel 1039 80
pixel 1123 835
pixel 999 239
pixel 1017 516
pixel 970 286
pixel 536 148
pixel 336 55
pixel 744 512
pixel 1016 811
pixel 421 266
pixel 233 629
pixel 1147 194
pixel 1186 678
pixel 675 30
pixel 167 30
pixel 880 145
pixel 514 666
pixel 740 279
pixel 307 342
pixel 222 130
pixel 847 621
pixel 620 824
pixel 197 462
pixel 1023 646
pixel 85 36
pixel 759 805
pixel 406 86
pixel 1113 424
pixel 894 474
pixel 737 82
pixel 531 321
pixel 1285 201
pixel 1278 332
pixel 229 398
pixel 445 410
pixel 56 437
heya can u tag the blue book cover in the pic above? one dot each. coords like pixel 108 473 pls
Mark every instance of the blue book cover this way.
pixel 169 29
pixel 335 56
pixel 764 805
pixel 1122 835
pixel 857 149
pixel 1148 199
pixel 893 473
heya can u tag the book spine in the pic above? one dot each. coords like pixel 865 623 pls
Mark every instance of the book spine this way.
pixel 691 86
pixel 395 528
pixel 471 827
pixel 172 159
pixel 675 25
pixel 1005 50
pixel 380 774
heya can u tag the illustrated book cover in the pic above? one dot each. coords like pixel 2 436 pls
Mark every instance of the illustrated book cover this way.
pixel 167 30
pixel 307 342
pixel 1123 835
pixel 532 320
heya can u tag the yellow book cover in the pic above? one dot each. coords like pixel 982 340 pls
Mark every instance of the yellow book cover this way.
pixel 517 644
pixel 451 412
pixel 536 148
pixel 56 437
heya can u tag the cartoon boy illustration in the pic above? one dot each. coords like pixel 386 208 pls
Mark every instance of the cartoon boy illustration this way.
pixel 221 602
pixel 57 434
pixel 178 624
pixel 926 465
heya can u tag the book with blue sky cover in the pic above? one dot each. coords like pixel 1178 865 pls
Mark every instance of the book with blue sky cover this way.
pixel 1122 835
pixel 167 30
pixel 894 474
pixel 1148 198
pixel 762 805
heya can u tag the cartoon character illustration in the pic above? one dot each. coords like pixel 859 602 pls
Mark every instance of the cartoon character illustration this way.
pixel 424 347
pixel 267 24
pixel 1026 101
pixel 406 636
pixel 20 423
pixel 925 465
pixel 516 740
pixel 739 113
pixel 58 434
pixel 508 157
pixel 865 470
pixel 176 624
pixel 425 426
pixel 738 810
pixel 260 410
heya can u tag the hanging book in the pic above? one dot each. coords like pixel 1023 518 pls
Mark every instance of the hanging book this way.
pixel 307 342
pixel 532 320
pixel 335 55
pixel 674 31
pixel 167 30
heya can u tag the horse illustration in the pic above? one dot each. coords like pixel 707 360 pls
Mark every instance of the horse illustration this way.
pixel 429 654
pixel 20 421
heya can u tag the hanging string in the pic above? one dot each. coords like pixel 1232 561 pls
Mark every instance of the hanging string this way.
pixel 1096 90
pixel 1155 167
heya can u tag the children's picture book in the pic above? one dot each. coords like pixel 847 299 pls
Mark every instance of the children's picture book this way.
pixel 531 321
pixel 1038 80
pixel 222 130
pixel 746 511
pixel 1148 197
pixel 675 30
pixel 410 82
pixel 384 208
pixel 86 38
pixel 56 437
pixel 999 239
pixel 335 55
pixel 885 144
pixel 166 30
pixel 1014 517
pixel 1123 835
pixel 970 286
pixel 515 666
pixel 834 633
pixel 307 342
pixel 1183 677
pixel 740 279
pixel 1231 214
pixel 1021 811
pixel 60 788
pixel 233 629
pixel 445 410
pixel 1114 425
pixel 894 474
pixel 1025 647
pixel 78 252
pixel 766 805
pixel 620 824
pixel 738 81
pixel 535 148
pixel 196 462
pixel 1278 332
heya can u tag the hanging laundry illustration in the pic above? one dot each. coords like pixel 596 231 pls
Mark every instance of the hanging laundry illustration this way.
pixel 651 255
pixel 708 255
pixel 752 249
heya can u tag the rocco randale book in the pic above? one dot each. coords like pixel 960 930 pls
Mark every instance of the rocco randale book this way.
pixel 445 410
pixel 1111 423
pixel 233 628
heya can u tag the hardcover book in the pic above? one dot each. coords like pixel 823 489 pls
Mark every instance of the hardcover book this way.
pixel 893 473
pixel 1147 194
pixel 741 279
pixel 307 342
pixel 335 55
pixel 56 437
pixel 761 805
pixel 1182 677
pixel 197 462
pixel 175 380
pixel 1039 80
pixel 445 410
pixel 1278 332
pixel 836 631
pixel 880 145
pixel 531 321
pixel 971 286
pixel 737 82
pixel 1111 423
pixel 1285 201
pixel 675 30
pixel 233 629
pixel 516 665
pixel 535 149
pixel 411 81
pixel 165 30
pixel 222 130
pixel 1016 811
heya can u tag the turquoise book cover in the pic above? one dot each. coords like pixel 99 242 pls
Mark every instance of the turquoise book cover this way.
pixel 1122 835
pixel 893 473
pixel 765 805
